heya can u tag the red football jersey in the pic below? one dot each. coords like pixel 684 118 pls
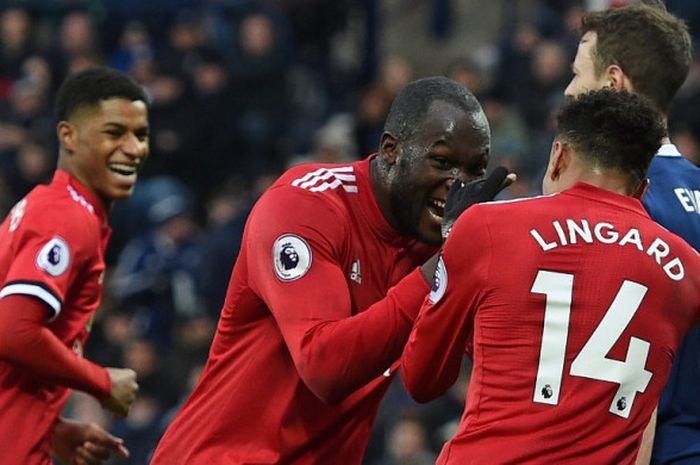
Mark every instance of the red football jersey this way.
pixel 51 248
pixel 315 315
pixel 572 307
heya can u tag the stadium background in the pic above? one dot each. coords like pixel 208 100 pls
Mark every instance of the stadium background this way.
pixel 242 89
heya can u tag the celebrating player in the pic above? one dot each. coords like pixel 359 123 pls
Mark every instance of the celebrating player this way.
pixel 325 290
pixel 52 247
pixel 570 305
pixel 646 50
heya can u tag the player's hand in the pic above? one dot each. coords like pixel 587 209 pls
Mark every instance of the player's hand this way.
pixel 78 443
pixel 124 389
pixel 462 196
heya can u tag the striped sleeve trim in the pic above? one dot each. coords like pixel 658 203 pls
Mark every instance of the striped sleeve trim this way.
pixel 34 289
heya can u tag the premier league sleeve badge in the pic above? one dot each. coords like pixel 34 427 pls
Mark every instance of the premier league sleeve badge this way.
pixel 291 256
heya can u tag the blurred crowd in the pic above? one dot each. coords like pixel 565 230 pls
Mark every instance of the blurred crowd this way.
pixel 240 90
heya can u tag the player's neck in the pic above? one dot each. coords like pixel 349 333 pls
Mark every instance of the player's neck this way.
pixel 380 189
pixel 619 184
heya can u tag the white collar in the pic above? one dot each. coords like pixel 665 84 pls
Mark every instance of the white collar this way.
pixel 668 150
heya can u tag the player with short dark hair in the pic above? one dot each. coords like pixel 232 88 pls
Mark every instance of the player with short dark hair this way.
pixel 646 50
pixel 52 247
pixel 307 346
pixel 570 304
pixel 92 86
pixel 642 44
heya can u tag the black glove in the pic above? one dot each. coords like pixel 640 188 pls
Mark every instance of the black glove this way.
pixel 462 196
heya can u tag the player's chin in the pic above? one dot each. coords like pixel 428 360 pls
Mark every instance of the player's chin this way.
pixel 429 229
pixel 121 192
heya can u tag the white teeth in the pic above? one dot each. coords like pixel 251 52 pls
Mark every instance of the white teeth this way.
pixel 123 168
pixel 435 216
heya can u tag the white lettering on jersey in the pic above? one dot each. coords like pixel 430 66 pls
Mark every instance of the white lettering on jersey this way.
pixel 80 199
pixel 568 232
pixel 328 178
pixel 17 214
pixel 689 199
pixel 291 256
pixel 54 257
pixel 355 273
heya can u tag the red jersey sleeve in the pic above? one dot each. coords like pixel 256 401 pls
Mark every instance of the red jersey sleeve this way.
pixel 443 329
pixel 50 248
pixel 29 344
pixel 297 239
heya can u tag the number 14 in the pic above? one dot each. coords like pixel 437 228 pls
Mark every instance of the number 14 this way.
pixel 591 362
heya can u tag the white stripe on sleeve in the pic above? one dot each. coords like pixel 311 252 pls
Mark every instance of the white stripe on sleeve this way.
pixel 36 291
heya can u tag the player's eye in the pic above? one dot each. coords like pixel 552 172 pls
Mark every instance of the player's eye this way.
pixel 442 163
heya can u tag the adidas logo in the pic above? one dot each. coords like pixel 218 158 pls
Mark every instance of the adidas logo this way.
pixel 328 178
pixel 355 274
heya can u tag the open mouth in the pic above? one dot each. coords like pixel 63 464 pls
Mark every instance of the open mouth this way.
pixel 436 208
pixel 123 169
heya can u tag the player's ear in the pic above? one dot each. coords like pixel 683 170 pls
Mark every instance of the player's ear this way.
pixel 643 186
pixel 617 79
pixel 557 162
pixel 389 148
pixel 67 134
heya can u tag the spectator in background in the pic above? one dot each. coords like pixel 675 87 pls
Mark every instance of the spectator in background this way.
pixel 467 72
pixel 15 46
pixel 375 100
pixel 217 132
pixel 408 444
pixel 37 70
pixel 186 43
pixel 372 107
pixel 134 44
pixel 334 142
pixel 687 143
pixel 259 59
pixel 34 164
pixel 515 62
pixel 227 212
pixel 549 74
pixel 24 116
pixel 78 44
pixel 155 275
pixel 684 115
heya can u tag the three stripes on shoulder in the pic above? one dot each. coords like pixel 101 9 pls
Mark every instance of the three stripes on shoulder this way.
pixel 328 178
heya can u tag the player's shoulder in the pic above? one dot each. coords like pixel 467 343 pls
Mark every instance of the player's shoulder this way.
pixel 676 242
pixel 66 202
pixel 57 208
pixel 318 184
pixel 670 162
pixel 518 206
pixel 322 178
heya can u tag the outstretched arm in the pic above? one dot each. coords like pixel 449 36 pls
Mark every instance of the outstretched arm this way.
pixel 335 346
pixel 432 358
